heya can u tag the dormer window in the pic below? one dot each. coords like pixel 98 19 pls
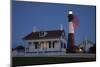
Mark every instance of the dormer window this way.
pixel 42 34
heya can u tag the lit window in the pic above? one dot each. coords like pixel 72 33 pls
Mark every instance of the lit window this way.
pixel 80 49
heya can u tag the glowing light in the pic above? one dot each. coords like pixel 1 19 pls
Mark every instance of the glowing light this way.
pixel 80 50
pixel 70 12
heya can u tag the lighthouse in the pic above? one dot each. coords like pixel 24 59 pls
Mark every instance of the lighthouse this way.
pixel 70 44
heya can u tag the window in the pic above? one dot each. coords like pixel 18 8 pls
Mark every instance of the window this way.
pixel 42 33
pixel 62 45
pixel 54 42
pixel 27 49
pixel 29 42
pixel 53 45
pixel 49 44
pixel 36 46
pixel 35 42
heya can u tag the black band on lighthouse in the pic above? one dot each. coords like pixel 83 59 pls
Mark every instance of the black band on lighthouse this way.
pixel 70 17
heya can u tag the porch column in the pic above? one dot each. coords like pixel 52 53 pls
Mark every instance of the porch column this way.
pixel 47 44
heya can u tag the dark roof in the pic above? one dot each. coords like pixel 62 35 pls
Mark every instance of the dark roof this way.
pixel 49 35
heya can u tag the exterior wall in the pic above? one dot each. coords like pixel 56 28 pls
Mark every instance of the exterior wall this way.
pixel 57 50
pixel 32 47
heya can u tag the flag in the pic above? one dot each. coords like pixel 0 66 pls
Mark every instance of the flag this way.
pixel 75 22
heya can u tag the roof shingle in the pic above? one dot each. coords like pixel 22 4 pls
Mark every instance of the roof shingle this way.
pixel 49 35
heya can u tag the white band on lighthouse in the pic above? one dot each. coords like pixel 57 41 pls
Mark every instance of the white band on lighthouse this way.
pixel 71 27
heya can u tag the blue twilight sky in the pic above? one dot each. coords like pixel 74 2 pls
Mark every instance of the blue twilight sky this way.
pixel 47 16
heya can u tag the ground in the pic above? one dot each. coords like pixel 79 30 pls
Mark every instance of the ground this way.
pixel 24 61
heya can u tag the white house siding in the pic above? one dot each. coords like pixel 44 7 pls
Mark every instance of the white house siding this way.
pixel 57 50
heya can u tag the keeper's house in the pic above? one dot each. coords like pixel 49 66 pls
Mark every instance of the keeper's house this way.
pixel 45 43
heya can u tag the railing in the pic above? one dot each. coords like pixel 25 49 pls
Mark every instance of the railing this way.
pixel 55 54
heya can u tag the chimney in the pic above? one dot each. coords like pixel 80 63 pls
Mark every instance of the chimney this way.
pixel 61 27
pixel 34 29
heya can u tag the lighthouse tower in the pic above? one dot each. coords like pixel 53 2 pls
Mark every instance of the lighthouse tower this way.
pixel 70 44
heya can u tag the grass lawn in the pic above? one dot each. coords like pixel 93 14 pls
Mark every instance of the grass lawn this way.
pixel 24 61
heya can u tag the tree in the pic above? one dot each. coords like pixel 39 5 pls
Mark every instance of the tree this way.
pixel 20 48
pixel 92 49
